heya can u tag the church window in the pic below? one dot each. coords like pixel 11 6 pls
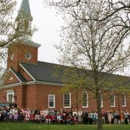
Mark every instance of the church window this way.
pixel 112 100
pixel 28 56
pixel 12 56
pixel 67 100
pixel 84 99
pixel 51 101
pixel 123 98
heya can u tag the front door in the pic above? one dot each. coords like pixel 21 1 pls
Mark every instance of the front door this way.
pixel 10 96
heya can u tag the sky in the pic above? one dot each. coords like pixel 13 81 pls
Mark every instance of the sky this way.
pixel 48 24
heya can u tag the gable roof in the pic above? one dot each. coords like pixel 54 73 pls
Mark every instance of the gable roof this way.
pixel 18 75
pixel 6 75
pixel 43 71
pixel 52 73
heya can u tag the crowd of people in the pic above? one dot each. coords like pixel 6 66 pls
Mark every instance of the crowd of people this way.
pixel 13 113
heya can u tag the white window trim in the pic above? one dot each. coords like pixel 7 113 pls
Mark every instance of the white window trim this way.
pixel 12 56
pixel 114 100
pixel 124 101
pixel 28 55
pixel 53 100
pixel 69 101
pixel 87 100
pixel 9 92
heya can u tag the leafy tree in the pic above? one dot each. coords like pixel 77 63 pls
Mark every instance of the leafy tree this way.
pixel 93 40
pixel 13 30
pixel 6 25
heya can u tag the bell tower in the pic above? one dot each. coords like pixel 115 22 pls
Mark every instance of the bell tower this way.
pixel 24 20
pixel 23 49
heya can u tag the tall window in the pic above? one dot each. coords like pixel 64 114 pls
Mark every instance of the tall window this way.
pixel 51 101
pixel 112 100
pixel 123 100
pixel 67 100
pixel 84 99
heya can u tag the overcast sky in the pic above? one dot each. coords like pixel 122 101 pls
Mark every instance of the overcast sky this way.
pixel 48 24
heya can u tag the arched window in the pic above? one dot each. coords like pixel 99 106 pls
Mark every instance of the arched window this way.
pixel 67 100
pixel 84 99
pixel 112 100
pixel 123 98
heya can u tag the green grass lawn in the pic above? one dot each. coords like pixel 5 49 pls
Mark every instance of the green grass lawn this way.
pixel 28 126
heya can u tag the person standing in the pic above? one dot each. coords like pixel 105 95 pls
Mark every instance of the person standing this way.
pixel 79 116
pixel 126 116
pixel 109 117
pixel 85 117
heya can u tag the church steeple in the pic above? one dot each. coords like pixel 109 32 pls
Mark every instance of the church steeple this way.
pixel 23 49
pixel 23 20
pixel 24 9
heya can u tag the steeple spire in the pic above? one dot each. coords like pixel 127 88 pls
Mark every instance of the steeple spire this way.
pixel 24 9
pixel 24 20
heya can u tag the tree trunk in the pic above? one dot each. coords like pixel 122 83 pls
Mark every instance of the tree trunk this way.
pixel 100 124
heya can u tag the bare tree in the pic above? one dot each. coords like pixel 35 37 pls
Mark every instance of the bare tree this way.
pixel 118 6
pixel 90 40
